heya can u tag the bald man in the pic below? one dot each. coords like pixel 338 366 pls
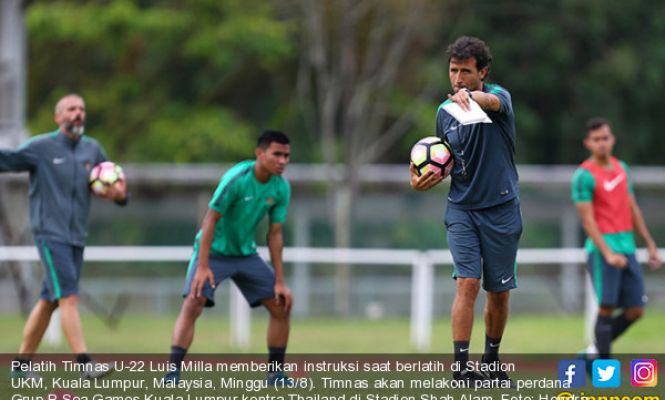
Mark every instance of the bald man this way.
pixel 59 163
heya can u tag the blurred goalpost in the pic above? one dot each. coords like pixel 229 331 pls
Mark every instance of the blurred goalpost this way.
pixel 422 277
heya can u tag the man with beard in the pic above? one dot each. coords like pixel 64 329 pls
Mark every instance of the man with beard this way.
pixel 59 164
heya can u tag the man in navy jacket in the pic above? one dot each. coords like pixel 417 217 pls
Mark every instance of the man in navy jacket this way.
pixel 59 164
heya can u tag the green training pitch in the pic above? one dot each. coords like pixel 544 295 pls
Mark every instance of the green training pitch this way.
pixel 524 334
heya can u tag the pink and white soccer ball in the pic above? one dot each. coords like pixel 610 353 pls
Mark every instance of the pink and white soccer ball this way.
pixel 431 153
pixel 104 175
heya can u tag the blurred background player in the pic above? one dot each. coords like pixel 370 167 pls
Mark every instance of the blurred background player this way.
pixel 483 216
pixel 225 248
pixel 603 193
pixel 59 164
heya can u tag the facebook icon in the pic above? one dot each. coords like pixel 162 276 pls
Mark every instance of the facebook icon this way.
pixel 572 373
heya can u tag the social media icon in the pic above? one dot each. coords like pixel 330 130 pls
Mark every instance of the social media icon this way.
pixel 644 373
pixel 606 373
pixel 572 373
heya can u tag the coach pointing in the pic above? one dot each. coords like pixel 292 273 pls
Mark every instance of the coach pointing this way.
pixel 483 214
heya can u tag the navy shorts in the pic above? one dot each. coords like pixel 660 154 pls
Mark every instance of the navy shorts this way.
pixel 616 287
pixel 253 276
pixel 62 269
pixel 484 244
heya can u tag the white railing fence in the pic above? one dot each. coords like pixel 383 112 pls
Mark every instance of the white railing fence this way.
pixel 422 265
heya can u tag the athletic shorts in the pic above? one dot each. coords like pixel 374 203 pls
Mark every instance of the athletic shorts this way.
pixel 484 244
pixel 62 269
pixel 253 276
pixel 616 287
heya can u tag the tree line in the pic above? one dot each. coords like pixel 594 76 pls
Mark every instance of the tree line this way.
pixel 351 81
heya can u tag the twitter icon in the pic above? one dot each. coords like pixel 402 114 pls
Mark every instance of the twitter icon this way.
pixel 606 373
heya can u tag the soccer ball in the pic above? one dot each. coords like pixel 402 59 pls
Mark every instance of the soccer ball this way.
pixel 431 153
pixel 104 175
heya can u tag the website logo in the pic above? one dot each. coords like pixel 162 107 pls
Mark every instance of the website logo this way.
pixel 606 373
pixel 571 373
pixel 644 373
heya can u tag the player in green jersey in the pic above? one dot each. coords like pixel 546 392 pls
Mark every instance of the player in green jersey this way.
pixel 602 191
pixel 225 248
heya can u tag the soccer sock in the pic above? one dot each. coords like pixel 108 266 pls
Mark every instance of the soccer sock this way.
pixel 603 333
pixel 276 358
pixel 83 358
pixel 177 355
pixel 491 349
pixel 461 353
pixel 619 325
pixel 22 361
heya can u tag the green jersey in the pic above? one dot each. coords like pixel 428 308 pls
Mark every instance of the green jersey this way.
pixel 609 191
pixel 243 201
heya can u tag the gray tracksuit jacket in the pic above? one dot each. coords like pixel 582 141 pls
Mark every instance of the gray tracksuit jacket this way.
pixel 59 188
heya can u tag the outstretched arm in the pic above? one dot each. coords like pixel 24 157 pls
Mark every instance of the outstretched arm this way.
pixel 585 211
pixel 275 246
pixel 643 231
pixel 21 159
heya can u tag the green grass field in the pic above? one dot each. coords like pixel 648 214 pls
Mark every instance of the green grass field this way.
pixel 524 334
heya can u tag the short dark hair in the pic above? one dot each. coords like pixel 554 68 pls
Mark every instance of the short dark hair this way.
pixel 466 47
pixel 596 122
pixel 269 136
